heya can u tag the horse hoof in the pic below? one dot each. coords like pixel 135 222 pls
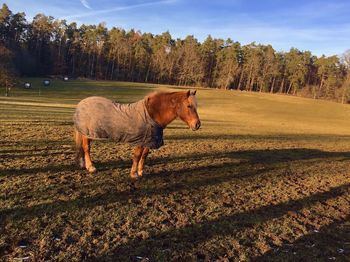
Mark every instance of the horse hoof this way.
pixel 81 163
pixel 134 176
pixel 140 173
pixel 91 169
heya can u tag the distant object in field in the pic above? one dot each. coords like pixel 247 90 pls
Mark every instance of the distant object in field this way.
pixel 46 82
pixel 167 49
pixel 65 78
pixel 27 85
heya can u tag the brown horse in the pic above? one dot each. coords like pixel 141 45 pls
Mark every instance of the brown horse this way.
pixel 140 124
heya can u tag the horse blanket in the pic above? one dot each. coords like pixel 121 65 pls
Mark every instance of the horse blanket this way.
pixel 100 118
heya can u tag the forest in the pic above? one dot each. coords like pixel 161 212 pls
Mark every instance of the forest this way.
pixel 52 47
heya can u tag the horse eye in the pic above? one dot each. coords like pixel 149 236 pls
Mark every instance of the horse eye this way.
pixel 189 106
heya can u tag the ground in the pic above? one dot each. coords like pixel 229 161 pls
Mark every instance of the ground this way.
pixel 266 178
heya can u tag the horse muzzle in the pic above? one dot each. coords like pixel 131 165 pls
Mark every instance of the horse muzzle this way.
pixel 196 126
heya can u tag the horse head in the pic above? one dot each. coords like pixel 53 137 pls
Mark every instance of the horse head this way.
pixel 187 110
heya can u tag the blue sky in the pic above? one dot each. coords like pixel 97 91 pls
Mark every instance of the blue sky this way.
pixel 321 26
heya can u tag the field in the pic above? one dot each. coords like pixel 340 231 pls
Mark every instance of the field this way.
pixel 266 178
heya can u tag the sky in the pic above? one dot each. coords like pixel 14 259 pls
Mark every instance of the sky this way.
pixel 320 26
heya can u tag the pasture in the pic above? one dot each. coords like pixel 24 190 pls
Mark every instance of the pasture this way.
pixel 266 178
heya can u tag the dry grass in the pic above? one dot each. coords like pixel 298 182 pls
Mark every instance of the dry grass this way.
pixel 266 178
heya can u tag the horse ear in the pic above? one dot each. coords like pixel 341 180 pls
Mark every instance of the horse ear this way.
pixel 188 93
pixel 194 92
pixel 148 99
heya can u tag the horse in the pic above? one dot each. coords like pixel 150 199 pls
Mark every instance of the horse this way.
pixel 140 124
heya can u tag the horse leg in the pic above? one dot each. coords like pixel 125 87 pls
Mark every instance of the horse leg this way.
pixel 141 164
pixel 135 160
pixel 86 147
pixel 79 149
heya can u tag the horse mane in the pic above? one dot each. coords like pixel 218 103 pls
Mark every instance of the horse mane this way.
pixel 166 99
pixel 165 96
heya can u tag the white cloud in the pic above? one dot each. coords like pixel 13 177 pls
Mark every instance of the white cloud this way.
pixel 116 9
pixel 85 3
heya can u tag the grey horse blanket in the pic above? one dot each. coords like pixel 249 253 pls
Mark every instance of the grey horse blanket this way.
pixel 100 118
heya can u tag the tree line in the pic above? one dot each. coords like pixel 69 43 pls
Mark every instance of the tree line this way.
pixel 48 46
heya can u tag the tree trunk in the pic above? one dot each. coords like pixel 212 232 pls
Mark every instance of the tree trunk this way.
pixel 314 92
pixel 282 86
pixel 289 88
pixel 321 86
pixel 272 85
pixel 294 91
pixel 240 81
pixel 249 79
pixel 346 85
pixel 251 85
pixel 73 65
pixel 92 66
pixel 112 69
pixel 261 84
pixel 147 72
pixel 228 80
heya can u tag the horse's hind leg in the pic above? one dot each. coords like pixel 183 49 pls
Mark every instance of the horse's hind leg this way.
pixel 141 164
pixel 79 149
pixel 135 160
pixel 86 147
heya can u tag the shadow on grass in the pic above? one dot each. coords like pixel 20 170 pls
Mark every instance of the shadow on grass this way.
pixel 330 242
pixel 35 170
pixel 164 182
pixel 35 147
pixel 268 156
pixel 135 190
pixel 195 178
pixel 102 166
pixel 185 239
pixel 275 137
pixel 185 177
pixel 19 150
pixel 38 154
pixel 254 156
pixel 175 181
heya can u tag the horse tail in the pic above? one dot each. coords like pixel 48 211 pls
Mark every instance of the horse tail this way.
pixel 78 139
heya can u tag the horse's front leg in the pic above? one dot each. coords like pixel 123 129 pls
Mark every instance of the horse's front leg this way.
pixel 141 164
pixel 135 160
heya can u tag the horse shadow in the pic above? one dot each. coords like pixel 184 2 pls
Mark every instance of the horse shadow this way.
pixel 133 189
pixel 163 182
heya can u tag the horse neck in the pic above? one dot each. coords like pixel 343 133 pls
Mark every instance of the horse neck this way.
pixel 162 108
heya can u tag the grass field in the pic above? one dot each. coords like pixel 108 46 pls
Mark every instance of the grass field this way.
pixel 266 178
